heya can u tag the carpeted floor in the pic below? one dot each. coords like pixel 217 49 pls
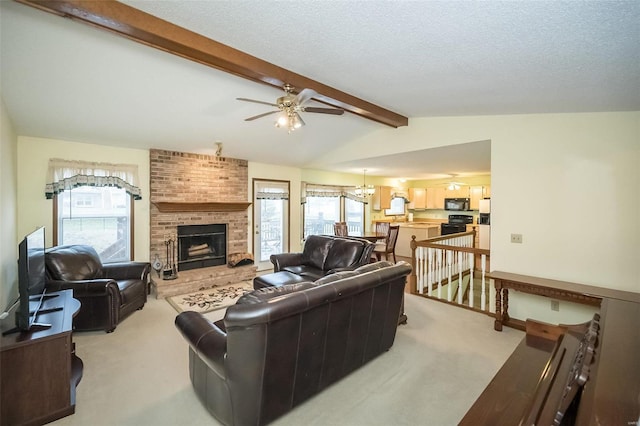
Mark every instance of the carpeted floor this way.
pixel 210 299
pixel 439 364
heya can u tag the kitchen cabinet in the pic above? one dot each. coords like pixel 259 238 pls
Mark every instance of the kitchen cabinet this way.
pixel 461 192
pixel 422 232
pixel 486 191
pixel 417 199
pixel 435 198
pixel 476 193
pixel 381 199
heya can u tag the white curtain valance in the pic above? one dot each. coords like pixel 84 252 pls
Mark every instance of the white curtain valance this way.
pixel 68 174
pixel 316 190
pixel 270 190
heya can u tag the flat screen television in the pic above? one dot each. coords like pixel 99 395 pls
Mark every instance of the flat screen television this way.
pixel 31 278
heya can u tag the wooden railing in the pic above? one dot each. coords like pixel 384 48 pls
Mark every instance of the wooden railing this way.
pixel 450 269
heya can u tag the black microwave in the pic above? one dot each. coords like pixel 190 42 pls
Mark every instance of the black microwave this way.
pixel 457 204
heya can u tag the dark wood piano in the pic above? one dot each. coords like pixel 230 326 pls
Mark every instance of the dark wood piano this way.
pixel 586 374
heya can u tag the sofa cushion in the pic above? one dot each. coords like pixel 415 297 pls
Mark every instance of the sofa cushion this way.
pixel 277 279
pixel 335 277
pixel 73 263
pixel 309 273
pixel 266 293
pixel 373 266
pixel 315 251
pixel 343 253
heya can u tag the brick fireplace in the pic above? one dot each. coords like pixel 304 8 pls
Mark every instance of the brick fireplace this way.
pixel 202 191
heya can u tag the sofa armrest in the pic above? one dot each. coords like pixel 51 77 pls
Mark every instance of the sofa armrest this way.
pixel 126 270
pixel 205 338
pixel 283 260
pixel 86 288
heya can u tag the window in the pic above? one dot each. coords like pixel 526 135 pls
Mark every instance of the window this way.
pixel 354 214
pixel 99 217
pixel 325 205
pixel 93 205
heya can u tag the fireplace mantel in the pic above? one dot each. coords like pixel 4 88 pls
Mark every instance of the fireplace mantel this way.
pixel 171 207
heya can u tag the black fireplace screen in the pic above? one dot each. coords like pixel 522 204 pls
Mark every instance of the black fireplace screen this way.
pixel 201 246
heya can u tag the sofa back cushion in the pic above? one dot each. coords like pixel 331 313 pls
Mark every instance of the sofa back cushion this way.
pixel 343 253
pixel 266 293
pixel 73 263
pixel 315 251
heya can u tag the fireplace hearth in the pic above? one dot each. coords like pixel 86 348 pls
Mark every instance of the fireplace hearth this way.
pixel 202 246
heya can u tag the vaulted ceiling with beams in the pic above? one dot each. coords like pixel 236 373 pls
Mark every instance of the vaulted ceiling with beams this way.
pixel 167 74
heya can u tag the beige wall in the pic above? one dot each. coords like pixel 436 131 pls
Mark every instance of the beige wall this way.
pixel 567 182
pixel 35 210
pixel 8 209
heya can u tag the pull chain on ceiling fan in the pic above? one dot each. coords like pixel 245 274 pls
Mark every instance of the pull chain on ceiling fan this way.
pixel 289 106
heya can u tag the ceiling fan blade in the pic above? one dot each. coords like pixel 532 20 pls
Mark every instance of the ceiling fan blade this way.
pixel 333 111
pixel 257 102
pixel 264 114
pixel 304 96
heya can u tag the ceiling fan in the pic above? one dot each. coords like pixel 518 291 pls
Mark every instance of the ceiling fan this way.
pixel 289 106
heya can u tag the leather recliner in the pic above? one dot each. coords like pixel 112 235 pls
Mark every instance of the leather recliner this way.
pixel 107 293
pixel 323 255
pixel 278 346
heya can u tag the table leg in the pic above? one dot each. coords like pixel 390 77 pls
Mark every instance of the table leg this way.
pixel 498 323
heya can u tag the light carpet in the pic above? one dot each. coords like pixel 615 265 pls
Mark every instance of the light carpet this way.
pixel 210 299
pixel 439 364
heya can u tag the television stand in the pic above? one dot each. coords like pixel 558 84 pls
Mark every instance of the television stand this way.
pixel 40 365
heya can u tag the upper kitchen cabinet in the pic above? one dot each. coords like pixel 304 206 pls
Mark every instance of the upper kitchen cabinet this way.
pixel 476 194
pixel 417 199
pixel 435 198
pixel 461 191
pixel 381 199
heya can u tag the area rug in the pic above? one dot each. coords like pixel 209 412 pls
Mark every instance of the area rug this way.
pixel 210 299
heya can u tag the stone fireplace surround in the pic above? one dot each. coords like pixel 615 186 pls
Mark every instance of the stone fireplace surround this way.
pixel 197 189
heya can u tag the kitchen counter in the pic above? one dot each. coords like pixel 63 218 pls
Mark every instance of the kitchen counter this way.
pixel 422 231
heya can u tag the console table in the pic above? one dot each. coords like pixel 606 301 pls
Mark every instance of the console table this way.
pixel 40 370
pixel 561 290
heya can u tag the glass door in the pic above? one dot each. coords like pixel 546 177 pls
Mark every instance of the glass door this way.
pixel 271 220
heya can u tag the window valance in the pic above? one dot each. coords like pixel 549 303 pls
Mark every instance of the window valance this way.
pixel 316 190
pixel 68 174
pixel 270 190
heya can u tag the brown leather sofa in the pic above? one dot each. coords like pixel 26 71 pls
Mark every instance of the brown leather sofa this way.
pixel 323 255
pixel 278 346
pixel 107 293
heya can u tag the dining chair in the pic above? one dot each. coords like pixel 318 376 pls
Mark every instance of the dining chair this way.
pixel 340 229
pixel 389 246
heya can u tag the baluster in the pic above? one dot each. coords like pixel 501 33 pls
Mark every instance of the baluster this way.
pixel 471 266
pixel 460 278
pixel 430 271
pixel 483 297
pixel 440 273
pixel 449 256
pixel 419 269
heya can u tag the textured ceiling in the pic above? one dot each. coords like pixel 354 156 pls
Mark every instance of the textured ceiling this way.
pixel 65 80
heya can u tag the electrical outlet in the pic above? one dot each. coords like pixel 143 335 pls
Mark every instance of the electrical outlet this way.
pixel 555 305
pixel 516 238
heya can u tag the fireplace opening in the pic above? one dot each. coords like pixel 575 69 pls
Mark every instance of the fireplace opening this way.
pixel 202 246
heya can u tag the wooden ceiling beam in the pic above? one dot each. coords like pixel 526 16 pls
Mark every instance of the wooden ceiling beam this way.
pixel 144 28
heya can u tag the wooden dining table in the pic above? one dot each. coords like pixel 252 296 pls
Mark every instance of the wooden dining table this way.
pixel 372 236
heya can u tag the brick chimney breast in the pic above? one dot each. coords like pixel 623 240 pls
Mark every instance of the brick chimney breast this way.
pixel 180 177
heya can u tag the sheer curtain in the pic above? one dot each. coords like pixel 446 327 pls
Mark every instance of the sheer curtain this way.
pixel 68 174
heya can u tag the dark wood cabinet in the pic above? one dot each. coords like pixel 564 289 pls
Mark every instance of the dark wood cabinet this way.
pixel 40 370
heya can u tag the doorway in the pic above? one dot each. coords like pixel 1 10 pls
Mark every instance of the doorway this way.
pixel 270 221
